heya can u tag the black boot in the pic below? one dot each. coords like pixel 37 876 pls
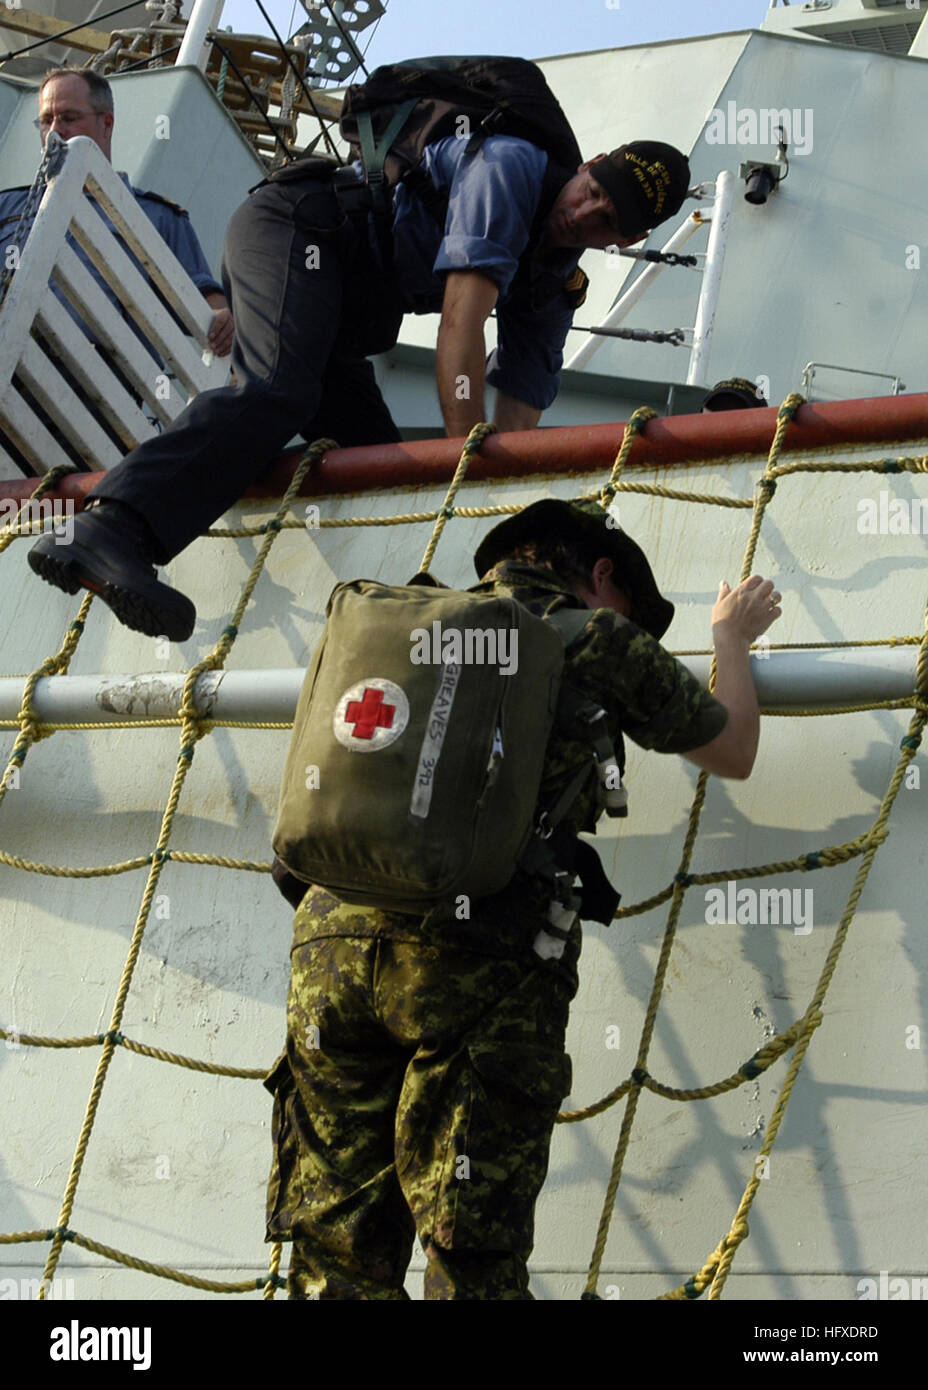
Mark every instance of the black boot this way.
pixel 111 554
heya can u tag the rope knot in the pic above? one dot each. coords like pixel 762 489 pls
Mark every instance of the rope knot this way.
pixel 317 449
pixel 640 1076
pixel 789 407
pixel 476 437
pixel 639 418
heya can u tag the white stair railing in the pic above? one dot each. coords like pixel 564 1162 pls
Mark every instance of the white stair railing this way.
pixel 700 335
pixel 43 349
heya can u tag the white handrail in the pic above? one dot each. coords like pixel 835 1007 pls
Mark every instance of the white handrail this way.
pixel 204 16
pixel 80 378
pixel 829 676
pixel 711 280
pixel 630 298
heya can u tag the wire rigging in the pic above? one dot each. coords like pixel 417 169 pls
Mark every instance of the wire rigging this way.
pixel 299 77
pixel 55 38
pixel 244 81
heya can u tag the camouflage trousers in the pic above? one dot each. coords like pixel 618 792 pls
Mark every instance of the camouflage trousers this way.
pixel 417 1094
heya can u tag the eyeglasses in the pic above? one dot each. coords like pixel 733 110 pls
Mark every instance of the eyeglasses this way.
pixel 65 117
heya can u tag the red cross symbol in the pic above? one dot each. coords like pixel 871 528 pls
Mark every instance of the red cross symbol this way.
pixel 369 714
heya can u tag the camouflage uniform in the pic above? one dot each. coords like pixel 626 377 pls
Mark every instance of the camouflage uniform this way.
pixel 425 1060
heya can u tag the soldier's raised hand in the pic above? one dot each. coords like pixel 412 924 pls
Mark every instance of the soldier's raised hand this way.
pixel 748 610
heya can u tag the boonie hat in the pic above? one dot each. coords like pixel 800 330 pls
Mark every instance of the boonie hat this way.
pixel 647 182
pixel 587 522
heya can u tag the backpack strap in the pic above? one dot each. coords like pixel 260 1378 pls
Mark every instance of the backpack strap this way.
pixel 583 717
pixel 554 854
pixel 569 623
pixel 376 189
pixel 374 154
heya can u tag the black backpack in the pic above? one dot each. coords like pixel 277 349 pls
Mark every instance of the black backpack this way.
pixel 402 107
pixel 388 120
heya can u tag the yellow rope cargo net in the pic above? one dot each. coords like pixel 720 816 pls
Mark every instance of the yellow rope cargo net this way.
pixel 714 1272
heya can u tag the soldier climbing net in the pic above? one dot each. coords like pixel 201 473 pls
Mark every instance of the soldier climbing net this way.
pixel 193 727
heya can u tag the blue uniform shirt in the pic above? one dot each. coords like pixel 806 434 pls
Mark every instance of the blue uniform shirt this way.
pixel 170 221
pixel 493 196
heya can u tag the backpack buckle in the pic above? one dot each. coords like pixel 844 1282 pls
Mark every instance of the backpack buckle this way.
pixel 353 195
pixel 484 130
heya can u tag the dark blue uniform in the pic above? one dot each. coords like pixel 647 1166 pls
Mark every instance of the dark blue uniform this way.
pixel 170 221
pixel 312 301
pixel 492 200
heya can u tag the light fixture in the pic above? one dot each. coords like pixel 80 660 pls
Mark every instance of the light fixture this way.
pixel 764 179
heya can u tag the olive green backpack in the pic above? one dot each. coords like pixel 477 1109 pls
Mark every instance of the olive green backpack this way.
pixel 416 758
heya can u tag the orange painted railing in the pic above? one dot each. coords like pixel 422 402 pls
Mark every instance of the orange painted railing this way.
pixel 576 448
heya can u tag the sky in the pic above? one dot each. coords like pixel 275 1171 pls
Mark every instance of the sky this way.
pixel 529 28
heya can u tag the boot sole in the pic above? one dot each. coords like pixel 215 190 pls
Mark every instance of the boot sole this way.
pixel 134 610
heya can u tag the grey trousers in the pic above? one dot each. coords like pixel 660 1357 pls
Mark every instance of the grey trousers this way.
pixel 309 305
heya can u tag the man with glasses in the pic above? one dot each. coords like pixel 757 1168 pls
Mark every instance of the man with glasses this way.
pixel 80 102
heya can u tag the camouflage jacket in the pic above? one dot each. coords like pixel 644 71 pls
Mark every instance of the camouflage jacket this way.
pixel 648 696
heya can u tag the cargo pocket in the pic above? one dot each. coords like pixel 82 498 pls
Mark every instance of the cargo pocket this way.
pixel 284 1188
pixel 497 1158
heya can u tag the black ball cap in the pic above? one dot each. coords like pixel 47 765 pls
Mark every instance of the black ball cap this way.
pixel 647 182
pixel 587 523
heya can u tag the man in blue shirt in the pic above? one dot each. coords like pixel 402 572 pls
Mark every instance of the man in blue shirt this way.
pixel 313 300
pixel 78 102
